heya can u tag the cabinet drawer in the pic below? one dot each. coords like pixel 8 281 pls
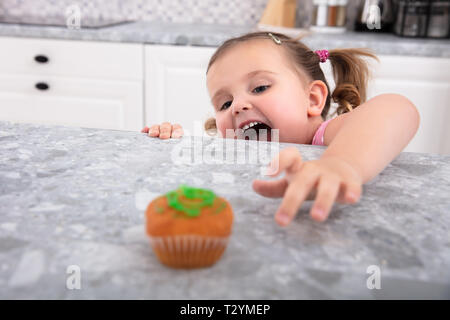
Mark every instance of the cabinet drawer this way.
pixel 71 58
pixel 93 103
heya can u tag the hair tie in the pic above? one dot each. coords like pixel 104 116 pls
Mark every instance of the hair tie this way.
pixel 323 55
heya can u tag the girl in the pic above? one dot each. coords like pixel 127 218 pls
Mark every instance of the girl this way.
pixel 277 82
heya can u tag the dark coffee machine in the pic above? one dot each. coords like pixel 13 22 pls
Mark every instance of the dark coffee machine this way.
pixel 423 19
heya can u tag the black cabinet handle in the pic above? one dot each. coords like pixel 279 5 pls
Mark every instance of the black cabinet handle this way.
pixel 42 86
pixel 41 58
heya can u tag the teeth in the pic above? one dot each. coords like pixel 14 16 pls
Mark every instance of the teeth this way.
pixel 251 124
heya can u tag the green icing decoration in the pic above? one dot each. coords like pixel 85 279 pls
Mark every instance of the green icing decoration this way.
pixel 192 210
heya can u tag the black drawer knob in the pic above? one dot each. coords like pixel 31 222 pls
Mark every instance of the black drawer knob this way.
pixel 41 58
pixel 42 86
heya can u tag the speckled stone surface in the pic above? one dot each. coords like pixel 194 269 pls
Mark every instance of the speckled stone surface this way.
pixel 214 35
pixel 76 196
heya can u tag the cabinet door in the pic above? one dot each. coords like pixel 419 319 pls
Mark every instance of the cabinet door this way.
pixel 426 82
pixel 175 86
pixel 72 101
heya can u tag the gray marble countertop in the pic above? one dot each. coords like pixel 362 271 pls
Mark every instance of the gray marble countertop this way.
pixel 214 35
pixel 76 197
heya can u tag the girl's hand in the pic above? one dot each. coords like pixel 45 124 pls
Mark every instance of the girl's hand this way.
pixel 326 179
pixel 164 131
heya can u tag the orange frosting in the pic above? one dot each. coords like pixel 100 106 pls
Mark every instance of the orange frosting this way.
pixel 213 221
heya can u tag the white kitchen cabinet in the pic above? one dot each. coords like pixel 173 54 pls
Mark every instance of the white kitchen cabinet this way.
pixel 84 102
pixel 175 85
pixel 79 83
pixel 423 80
pixel 426 82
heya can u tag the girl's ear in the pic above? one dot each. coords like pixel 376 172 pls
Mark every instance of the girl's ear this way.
pixel 318 94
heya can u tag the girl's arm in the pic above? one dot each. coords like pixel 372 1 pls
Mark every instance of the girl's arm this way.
pixel 373 134
pixel 360 145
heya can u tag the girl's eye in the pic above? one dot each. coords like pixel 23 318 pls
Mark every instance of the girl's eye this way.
pixel 226 105
pixel 260 89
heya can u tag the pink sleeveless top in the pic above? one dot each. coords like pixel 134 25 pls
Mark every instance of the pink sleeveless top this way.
pixel 318 136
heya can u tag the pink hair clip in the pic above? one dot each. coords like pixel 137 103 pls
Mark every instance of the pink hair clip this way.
pixel 323 55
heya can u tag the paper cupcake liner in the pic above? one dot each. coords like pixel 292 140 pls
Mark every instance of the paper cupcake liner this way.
pixel 188 251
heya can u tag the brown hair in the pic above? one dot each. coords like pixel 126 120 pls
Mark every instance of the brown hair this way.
pixel 350 70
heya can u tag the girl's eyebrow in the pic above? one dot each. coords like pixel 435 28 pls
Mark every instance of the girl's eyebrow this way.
pixel 248 75
pixel 256 72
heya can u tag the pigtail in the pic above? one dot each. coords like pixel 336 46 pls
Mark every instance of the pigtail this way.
pixel 351 75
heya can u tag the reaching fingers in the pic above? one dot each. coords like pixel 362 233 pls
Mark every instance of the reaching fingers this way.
pixel 327 191
pixel 177 131
pixel 154 131
pixel 165 130
pixel 288 159
pixel 349 193
pixel 270 189
pixel 353 192
pixel 295 194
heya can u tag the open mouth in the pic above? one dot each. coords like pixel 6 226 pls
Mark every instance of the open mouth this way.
pixel 255 131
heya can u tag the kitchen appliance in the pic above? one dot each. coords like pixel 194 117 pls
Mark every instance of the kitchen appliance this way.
pixel 329 16
pixel 424 19
pixel 375 16
pixel 439 23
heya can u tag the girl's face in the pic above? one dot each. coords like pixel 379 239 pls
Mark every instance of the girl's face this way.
pixel 253 81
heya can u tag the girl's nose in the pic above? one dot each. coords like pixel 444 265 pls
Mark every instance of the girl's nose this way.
pixel 239 107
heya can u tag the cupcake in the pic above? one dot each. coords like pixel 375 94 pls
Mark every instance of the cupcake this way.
pixel 189 227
